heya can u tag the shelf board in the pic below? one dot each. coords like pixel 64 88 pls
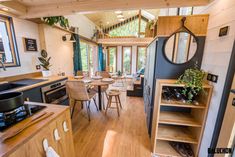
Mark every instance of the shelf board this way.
pixel 181 104
pixel 178 118
pixel 175 133
pixel 163 148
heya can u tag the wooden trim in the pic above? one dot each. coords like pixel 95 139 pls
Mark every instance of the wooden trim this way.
pixel 130 58
pixel 108 54
pixel 137 55
pixel 13 43
pixel 22 76
pixel 66 8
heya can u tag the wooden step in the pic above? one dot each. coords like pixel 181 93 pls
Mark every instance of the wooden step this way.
pixel 164 149
pixel 178 118
pixel 175 133
pixel 181 104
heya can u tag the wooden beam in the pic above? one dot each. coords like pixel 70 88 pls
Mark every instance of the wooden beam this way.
pixel 125 41
pixel 65 8
pixel 14 7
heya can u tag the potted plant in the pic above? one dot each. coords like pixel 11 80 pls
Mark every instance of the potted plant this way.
pixel 193 80
pixel 45 63
pixel 119 73
pixel 61 20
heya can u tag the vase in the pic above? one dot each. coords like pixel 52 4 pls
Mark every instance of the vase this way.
pixel 46 73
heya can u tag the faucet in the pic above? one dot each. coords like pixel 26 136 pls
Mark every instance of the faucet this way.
pixel 1 62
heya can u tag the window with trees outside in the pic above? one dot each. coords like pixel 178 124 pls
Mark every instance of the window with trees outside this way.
pixel 87 57
pixel 112 59
pixel 141 58
pixel 126 60
pixel 129 29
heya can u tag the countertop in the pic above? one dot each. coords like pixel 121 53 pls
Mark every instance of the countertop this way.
pixel 47 81
pixel 12 144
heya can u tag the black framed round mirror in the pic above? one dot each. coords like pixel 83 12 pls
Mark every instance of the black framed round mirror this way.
pixel 180 47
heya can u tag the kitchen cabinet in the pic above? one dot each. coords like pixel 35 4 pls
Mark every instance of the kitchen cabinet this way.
pixel 30 142
pixel 34 94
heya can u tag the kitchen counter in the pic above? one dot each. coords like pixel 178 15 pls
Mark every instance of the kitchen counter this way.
pixel 17 143
pixel 47 81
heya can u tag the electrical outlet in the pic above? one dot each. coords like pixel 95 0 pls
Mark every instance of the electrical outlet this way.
pixel 38 67
pixel 212 78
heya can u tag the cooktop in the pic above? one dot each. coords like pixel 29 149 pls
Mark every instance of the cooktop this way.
pixel 8 119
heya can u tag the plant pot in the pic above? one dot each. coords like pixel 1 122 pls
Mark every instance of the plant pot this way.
pixel 46 73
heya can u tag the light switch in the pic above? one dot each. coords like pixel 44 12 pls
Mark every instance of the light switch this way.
pixel 56 135
pixel 65 127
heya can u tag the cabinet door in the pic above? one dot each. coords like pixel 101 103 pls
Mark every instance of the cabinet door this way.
pixel 34 94
pixel 65 144
pixel 34 147
pixel 64 147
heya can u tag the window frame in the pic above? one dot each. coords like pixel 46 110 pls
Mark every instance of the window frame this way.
pixel 108 60
pixel 137 55
pixel 130 58
pixel 89 46
pixel 13 44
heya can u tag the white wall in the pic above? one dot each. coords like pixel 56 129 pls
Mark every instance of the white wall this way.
pixel 61 52
pixel 216 57
pixel 86 27
pixel 28 60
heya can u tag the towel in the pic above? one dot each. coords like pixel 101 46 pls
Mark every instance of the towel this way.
pixel 50 152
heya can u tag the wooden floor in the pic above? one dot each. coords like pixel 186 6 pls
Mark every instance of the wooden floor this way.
pixel 110 136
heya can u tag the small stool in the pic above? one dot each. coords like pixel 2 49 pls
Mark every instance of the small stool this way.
pixel 116 94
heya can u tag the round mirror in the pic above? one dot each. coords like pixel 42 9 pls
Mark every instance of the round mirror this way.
pixel 180 47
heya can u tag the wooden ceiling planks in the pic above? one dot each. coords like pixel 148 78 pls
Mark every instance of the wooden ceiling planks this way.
pixel 36 8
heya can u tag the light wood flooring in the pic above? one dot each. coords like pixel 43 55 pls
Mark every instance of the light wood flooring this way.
pixel 110 136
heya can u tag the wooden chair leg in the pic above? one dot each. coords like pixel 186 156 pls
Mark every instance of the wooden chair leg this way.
pixel 88 110
pixel 73 108
pixel 116 99
pixel 120 102
pixel 108 104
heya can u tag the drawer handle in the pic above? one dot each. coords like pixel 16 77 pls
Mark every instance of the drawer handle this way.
pixel 65 127
pixel 56 135
pixel 49 150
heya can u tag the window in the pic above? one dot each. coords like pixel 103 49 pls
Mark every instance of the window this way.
pixel 8 48
pixel 141 58
pixel 129 29
pixel 185 11
pixel 126 60
pixel 84 55
pixel 112 59
pixel 87 51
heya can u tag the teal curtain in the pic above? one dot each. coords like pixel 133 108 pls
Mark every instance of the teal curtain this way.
pixel 101 58
pixel 77 59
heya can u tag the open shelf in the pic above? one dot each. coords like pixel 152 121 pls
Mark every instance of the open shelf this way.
pixel 163 148
pixel 178 118
pixel 175 133
pixel 181 104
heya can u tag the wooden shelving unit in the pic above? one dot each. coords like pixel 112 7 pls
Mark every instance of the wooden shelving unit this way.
pixel 181 122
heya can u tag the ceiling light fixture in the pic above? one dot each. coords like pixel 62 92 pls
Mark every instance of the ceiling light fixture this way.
pixel 5 9
pixel 118 12
pixel 121 19
pixel 120 16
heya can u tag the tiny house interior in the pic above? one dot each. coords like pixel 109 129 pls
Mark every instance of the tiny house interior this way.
pixel 117 78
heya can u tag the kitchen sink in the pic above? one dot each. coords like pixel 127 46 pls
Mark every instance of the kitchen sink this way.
pixel 9 86
pixel 19 83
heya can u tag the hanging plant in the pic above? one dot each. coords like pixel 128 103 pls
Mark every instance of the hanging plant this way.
pixel 61 20
pixel 193 80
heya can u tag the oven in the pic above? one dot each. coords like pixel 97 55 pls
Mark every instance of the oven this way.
pixel 55 93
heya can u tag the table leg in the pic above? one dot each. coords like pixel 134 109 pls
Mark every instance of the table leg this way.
pixel 99 98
